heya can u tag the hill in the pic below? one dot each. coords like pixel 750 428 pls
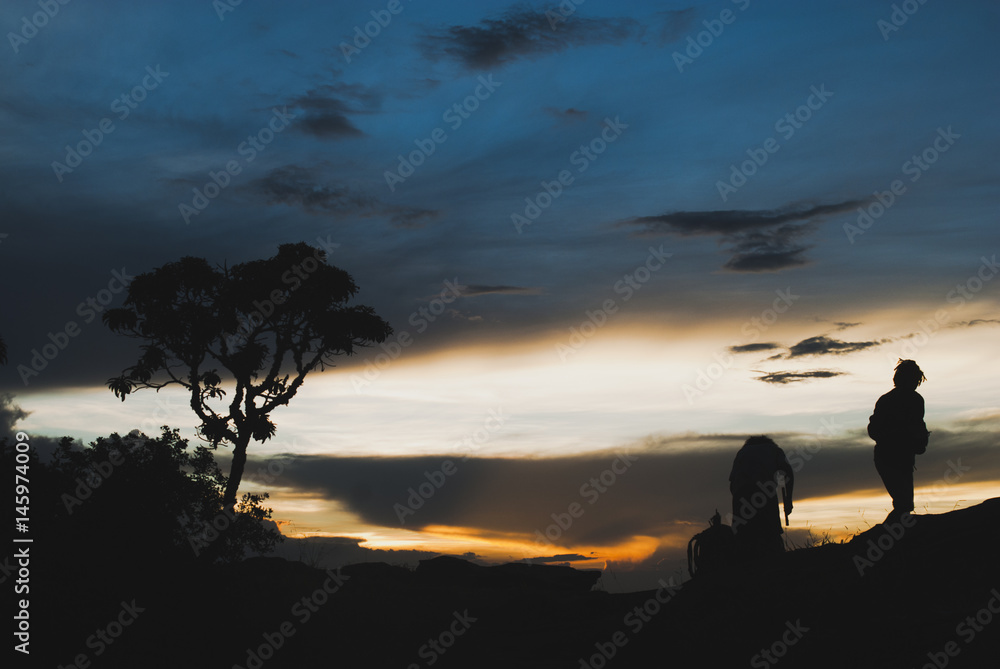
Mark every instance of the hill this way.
pixel 907 597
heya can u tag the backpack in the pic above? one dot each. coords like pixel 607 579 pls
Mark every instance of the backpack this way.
pixel 875 428
pixel 711 550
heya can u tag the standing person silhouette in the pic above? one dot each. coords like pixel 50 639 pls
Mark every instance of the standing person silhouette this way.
pixel 753 483
pixel 900 434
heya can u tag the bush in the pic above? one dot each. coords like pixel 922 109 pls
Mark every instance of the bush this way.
pixel 137 501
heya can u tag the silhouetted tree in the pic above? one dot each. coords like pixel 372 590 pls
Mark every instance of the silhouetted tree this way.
pixel 3 352
pixel 267 323
pixel 148 500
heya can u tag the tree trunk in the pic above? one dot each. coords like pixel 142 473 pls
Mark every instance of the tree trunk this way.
pixel 235 473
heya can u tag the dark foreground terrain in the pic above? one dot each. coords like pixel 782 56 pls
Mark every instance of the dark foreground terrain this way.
pixel 927 595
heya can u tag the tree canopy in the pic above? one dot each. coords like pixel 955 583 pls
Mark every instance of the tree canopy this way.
pixel 251 332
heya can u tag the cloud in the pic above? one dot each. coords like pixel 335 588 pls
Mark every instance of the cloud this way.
pixel 790 377
pixel 766 259
pixel 327 107
pixel 819 345
pixel 974 322
pixel 753 348
pixel 730 222
pixel 568 115
pixel 328 125
pixel 760 241
pixel 10 415
pixel 298 186
pixel 523 32
pixel 475 290
pixel 410 217
pixel 295 186
pixel 671 483
pixel 566 557
pixel 512 496
pixel 825 346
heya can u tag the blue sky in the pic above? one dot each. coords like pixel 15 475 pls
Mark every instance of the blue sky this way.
pixel 554 88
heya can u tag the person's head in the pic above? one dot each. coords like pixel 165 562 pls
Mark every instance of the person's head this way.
pixel 759 440
pixel 908 376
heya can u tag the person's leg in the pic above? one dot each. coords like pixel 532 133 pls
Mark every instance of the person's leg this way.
pixel 885 472
pixel 902 498
pixel 897 476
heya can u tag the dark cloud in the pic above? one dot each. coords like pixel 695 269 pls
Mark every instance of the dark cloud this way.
pixel 763 259
pixel 475 290
pixel 760 241
pixel 693 223
pixel 492 496
pixel 300 187
pixel 974 322
pixel 326 109
pixel 567 557
pixel 825 346
pixel 568 115
pixel 410 217
pixel 524 32
pixel 673 485
pixel 753 348
pixel 296 186
pixel 819 345
pixel 790 377
pixel 10 414
pixel 329 124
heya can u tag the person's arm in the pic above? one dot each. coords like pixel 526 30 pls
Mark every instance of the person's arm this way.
pixel 789 484
pixel 789 475
pixel 920 433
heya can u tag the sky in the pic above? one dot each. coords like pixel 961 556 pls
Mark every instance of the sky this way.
pixel 611 239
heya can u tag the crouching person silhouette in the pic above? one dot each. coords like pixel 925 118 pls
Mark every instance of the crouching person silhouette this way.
pixel 754 482
pixel 900 434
